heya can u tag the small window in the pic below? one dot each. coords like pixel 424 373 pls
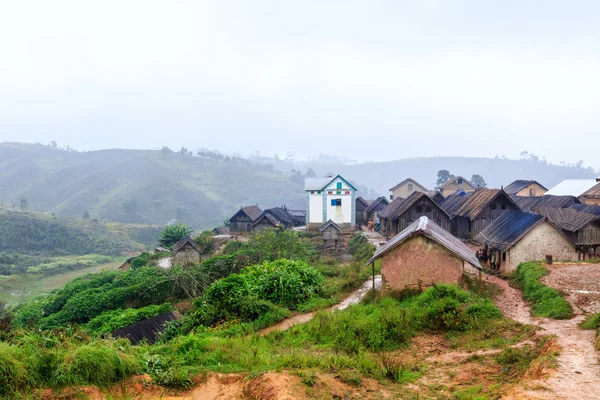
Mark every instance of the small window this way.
pixel 504 256
pixel 319 192
pixel 410 186
pixel 391 197
pixel 339 185
pixel 459 181
pixel 336 202
pixel 532 192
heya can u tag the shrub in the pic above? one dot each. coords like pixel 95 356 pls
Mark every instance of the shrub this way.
pixel 13 372
pixel 361 248
pixel 591 322
pixel 546 302
pixel 172 234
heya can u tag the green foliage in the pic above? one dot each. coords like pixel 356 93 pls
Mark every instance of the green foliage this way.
pixel 275 244
pixel 13 369
pixel 234 246
pixel 60 265
pixel 205 243
pixel 360 248
pixel 478 181
pixel 173 234
pixel 546 302
pixel 140 261
pixel 110 321
pixel 591 322
pixel 442 176
pixel 257 291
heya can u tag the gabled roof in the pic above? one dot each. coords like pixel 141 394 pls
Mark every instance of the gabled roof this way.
pixel 593 192
pixel 587 209
pixel 433 194
pixel 567 218
pixel 528 203
pixel 453 202
pixel 454 178
pixel 322 183
pixel 177 246
pixel 390 210
pixel 572 187
pixel 251 212
pixel 269 217
pixel 479 200
pixel 380 202
pixel 406 181
pixel 149 329
pixel 366 203
pixel 423 226
pixel 328 224
pixel 403 206
pixel 518 185
pixel 508 229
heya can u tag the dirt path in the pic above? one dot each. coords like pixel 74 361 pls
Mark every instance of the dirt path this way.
pixel 578 375
pixel 354 298
pixel 374 238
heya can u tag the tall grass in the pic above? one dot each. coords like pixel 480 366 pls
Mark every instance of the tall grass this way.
pixel 547 302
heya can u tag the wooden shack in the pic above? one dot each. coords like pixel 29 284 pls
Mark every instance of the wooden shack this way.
pixel 478 210
pixel 243 219
pixel 332 235
pixel 273 218
pixel 401 213
pixel 361 206
pixel 186 252
pixel 375 208
pixel 582 228
pixel 422 255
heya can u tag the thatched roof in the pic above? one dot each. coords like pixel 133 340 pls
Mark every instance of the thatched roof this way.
pixel 423 226
pixel 507 230
pixel 186 240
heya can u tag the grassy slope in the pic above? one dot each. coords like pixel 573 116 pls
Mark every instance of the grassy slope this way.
pixel 137 186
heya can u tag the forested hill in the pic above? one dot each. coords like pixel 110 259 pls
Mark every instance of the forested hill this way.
pixel 140 186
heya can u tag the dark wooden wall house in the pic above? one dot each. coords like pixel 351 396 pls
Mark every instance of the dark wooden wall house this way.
pixel 274 218
pixel 332 235
pixel 581 228
pixel 299 216
pixel 243 219
pixel 400 213
pixel 361 206
pixel 478 210
pixel 436 196
pixel 186 252
pixel 375 208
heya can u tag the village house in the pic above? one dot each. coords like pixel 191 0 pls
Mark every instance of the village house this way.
pixel 518 236
pixel 299 216
pixel 186 252
pixel 330 198
pixel 586 190
pixel 474 212
pixel 406 188
pixel 528 203
pixel 586 209
pixel 454 185
pixel 583 229
pixel 332 235
pixel 435 196
pixel 361 206
pixel 273 218
pixel 422 255
pixel 525 188
pixel 243 219
pixel 375 208
pixel 401 213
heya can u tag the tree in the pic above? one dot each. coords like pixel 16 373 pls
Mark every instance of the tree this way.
pixel 478 181
pixel 443 175
pixel 173 234
pixel 86 215
pixel 24 203
pixel 310 173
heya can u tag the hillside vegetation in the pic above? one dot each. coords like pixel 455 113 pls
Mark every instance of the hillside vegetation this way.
pixel 140 186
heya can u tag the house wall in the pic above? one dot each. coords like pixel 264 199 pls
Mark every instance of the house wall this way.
pixel 404 191
pixel 455 187
pixel 331 234
pixel 186 255
pixel 314 214
pixel 427 208
pixel 360 213
pixel 319 208
pixel 417 263
pixel 469 229
pixel 539 190
pixel 589 201
pixel 543 240
pixel 240 223
pixel 262 225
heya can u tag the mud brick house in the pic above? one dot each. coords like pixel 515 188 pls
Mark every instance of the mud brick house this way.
pixel 406 188
pixel 375 208
pixel 582 228
pixel 479 209
pixel 400 213
pixel 518 236
pixel 525 188
pixel 186 252
pixel 424 254
pixel 273 218
pixel 243 219
pixel 454 185
pixel 361 206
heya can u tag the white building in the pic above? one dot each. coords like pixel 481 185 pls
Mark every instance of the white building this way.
pixel 330 198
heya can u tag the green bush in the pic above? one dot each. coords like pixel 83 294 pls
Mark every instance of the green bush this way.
pixel 361 248
pixel 172 234
pixel 546 302
pixel 591 322
pixel 109 321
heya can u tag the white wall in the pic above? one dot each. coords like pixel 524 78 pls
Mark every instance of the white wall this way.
pixel 315 206
pixel 343 214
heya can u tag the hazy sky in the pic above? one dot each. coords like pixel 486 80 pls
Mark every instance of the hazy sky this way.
pixel 370 79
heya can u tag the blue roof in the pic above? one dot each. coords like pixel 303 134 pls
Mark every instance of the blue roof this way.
pixel 507 230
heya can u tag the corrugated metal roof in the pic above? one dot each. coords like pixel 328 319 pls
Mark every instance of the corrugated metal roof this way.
pixel 572 187
pixel 507 230
pixel 479 200
pixel 568 219
pixel 451 180
pixel 423 226
pixel 587 209
pixel 518 185
pixel 379 204
pixel 452 202
pixel 528 203
pixel 406 181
